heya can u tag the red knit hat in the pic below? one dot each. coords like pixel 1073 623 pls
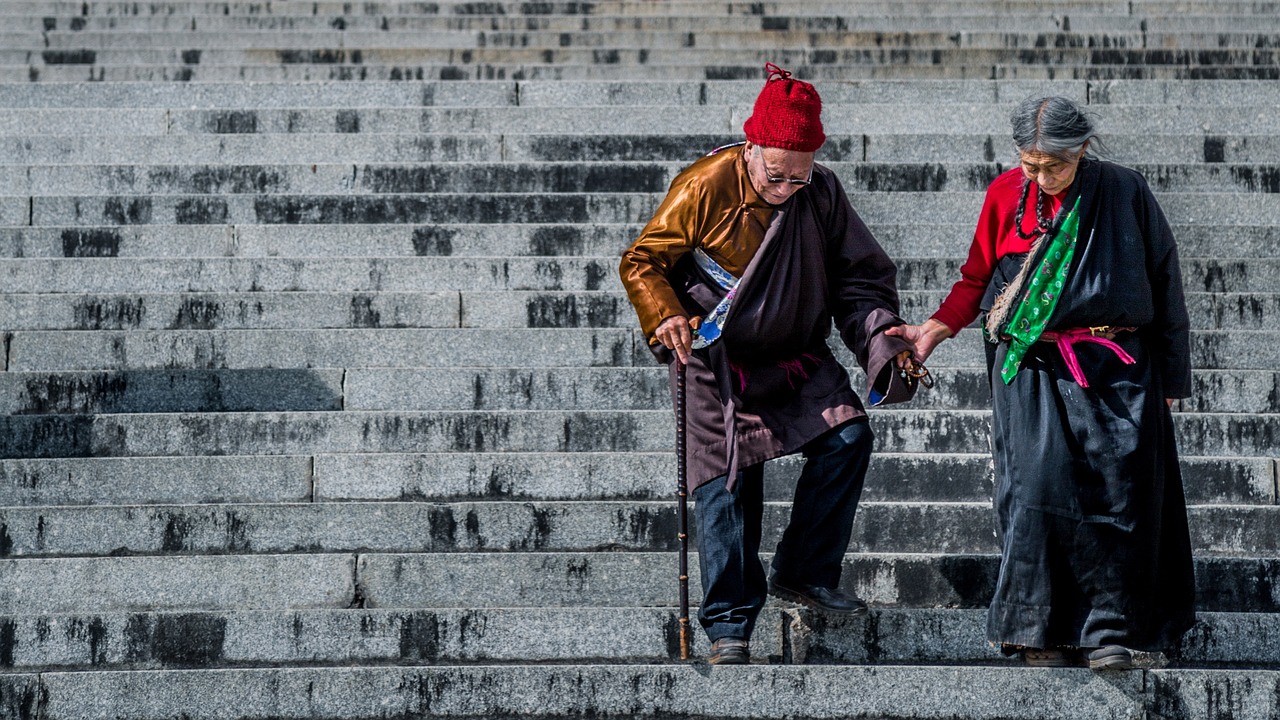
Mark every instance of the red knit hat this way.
pixel 786 115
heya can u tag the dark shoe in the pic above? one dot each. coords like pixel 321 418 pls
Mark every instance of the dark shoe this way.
pixel 1051 657
pixel 1111 657
pixel 729 651
pixel 820 598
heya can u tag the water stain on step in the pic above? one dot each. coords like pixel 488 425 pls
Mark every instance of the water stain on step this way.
pixel 571 311
pixel 73 394
pixel 433 241
pixel 179 641
pixel 559 240
pixel 127 211
pixel 197 314
pixel 442 527
pixel 69 57
pixel 420 637
pixel 363 314
pixel 95 313
pixel 90 243
pixel 92 632
pixel 231 122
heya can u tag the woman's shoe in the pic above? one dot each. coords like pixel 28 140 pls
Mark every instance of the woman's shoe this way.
pixel 1111 657
pixel 1051 657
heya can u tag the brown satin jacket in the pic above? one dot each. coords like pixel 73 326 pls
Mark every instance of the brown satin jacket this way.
pixel 711 205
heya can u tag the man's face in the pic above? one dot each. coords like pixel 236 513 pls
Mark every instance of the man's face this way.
pixel 777 174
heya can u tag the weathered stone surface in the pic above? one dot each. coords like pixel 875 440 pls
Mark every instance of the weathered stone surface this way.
pixel 89 585
pixel 46 351
pixel 573 690
pixel 166 391
pixel 230 311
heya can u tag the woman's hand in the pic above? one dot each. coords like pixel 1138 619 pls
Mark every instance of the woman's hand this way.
pixel 677 334
pixel 924 337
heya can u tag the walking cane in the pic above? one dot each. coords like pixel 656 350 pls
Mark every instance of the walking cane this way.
pixel 682 510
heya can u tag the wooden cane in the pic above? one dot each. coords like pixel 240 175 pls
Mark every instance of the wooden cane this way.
pixel 682 509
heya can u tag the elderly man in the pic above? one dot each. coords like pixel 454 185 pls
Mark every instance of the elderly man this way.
pixel 748 260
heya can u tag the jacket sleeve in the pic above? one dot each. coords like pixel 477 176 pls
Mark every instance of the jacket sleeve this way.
pixel 645 265
pixel 862 279
pixel 1170 335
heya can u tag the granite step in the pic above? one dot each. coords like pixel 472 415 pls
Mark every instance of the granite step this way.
pixel 640 388
pixel 451 477
pixel 936 240
pixel 354 147
pixel 70 350
pixel 562 208
pixel 498 309
pixel 914 431
pixel 1245 283
pixel 1183 94
pixel 956 693
pixel 888 636
pixel 607 69
pixel 373 40
pixel 566 691
pixel 222 56
pixel 359 179
pixel 513 527
pixel 299 581
pixel 648 579
pixel 894 20
pixel 707 117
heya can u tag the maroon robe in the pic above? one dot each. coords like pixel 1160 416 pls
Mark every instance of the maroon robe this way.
pixel 771 377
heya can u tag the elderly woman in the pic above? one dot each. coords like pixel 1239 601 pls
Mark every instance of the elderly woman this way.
pixel 1077 270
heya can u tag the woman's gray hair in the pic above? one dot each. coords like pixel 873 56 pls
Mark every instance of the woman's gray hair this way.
pixel 1054 125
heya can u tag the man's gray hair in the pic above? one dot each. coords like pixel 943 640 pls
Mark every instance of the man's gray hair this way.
pixel 1053 125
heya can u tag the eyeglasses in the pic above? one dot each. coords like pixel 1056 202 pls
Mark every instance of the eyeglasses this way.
pixel 779 180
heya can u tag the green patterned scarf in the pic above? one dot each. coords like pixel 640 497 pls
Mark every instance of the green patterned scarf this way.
pixel 1043 290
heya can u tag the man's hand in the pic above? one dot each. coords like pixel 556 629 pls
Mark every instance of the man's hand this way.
pixel 924 337
pixel 677 334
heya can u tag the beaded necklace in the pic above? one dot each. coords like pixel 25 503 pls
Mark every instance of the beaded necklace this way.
pixel 1043 224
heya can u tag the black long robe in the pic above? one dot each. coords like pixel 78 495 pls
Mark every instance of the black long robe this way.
pixel 1089 500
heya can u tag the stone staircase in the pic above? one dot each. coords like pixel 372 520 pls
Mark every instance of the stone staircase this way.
pixel 323 400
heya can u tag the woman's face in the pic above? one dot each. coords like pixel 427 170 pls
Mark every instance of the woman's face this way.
pixel 1052 174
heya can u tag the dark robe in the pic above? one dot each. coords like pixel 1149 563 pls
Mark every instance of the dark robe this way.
pixel 1089 501
pixel 772 374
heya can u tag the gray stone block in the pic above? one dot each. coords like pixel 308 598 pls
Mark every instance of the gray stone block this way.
pixel 21 696
pixel 141 641
pixel 90 585
pixel 230 311
pixel 624 579
pixel 240 95
pixel 562 177
pixel 48 436
pixel 19 122
pixel 1242 694
pixel 15 211
pixel 168 391
pixel 508 389
pixel 58 351
pixel 133 241
pixel 1213 93
pixel 350 146
pixel 137 481
pixel 562 691
pixel 416 527
pixel 319 275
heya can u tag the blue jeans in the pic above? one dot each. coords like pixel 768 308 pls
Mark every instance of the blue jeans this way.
pixel 811 551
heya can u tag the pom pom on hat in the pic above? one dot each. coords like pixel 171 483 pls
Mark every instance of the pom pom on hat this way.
pixel 787 114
